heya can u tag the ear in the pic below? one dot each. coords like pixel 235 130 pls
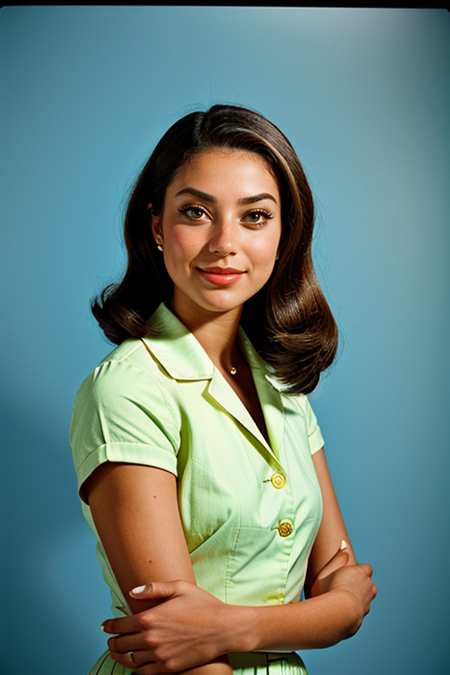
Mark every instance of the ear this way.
pixel 155 222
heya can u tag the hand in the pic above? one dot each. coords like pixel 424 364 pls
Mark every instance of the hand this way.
pixel 184 631
pixel 355 580
pixel 321 582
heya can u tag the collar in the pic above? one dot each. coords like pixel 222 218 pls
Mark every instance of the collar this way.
pixel 176 348
pixel 183 357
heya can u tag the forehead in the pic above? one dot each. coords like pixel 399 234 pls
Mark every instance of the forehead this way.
pixel 217 171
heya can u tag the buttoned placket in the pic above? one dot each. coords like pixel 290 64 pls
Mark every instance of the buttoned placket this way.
pixel 184 359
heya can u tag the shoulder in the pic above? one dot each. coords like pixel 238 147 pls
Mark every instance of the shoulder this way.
pixel 128 380
pixel 126 367
pixel 298 410
pixel 298 403
pixel 125 411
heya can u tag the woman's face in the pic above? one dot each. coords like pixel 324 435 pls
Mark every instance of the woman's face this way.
pixel 220 230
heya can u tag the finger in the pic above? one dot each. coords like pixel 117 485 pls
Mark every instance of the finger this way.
pixel 339 553
pixel 367 569
pixel 157 589
pixel 128 643
pixel 340 559
pixel 134 659
pixel 126 624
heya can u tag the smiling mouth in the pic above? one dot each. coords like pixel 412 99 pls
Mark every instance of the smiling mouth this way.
pixel 221 276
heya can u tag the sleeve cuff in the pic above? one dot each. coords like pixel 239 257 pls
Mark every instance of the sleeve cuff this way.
pixel 130 453
pixel 315 441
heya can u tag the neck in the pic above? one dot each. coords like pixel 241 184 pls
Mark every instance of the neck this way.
pixel 215 331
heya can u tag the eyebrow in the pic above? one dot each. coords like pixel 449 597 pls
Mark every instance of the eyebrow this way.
pixel 209 198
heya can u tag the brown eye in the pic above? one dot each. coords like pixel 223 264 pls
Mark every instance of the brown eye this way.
pixel 254 217
pixel 193 212
pixel 196 213
pixel 257 217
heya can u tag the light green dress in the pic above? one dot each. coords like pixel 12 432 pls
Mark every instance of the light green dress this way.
pixel 250 509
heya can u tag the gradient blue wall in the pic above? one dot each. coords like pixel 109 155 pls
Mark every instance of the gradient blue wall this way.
pixel 364 97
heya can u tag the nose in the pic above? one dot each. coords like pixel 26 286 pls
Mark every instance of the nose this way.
pixel 223 238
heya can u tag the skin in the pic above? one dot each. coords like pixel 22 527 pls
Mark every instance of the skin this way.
pixel 175 625
pixel 197 233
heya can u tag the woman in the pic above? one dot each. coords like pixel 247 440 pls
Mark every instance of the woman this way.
pixel 200 462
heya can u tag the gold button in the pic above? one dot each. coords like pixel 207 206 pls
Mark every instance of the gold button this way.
pixel 278 480
pixel 285 528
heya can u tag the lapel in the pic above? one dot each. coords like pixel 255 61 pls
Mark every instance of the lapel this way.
pixel 269 394
pixel 184 359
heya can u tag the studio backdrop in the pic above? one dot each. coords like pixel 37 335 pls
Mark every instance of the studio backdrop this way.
pixel 363 95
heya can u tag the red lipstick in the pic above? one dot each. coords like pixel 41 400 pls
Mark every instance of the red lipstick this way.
pixel 221 276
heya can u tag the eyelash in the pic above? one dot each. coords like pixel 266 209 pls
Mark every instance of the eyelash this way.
pixel 261 212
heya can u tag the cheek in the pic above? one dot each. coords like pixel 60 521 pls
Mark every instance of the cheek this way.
pixel 264 251
pixel 183 245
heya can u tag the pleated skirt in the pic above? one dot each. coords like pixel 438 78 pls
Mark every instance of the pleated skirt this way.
pixel 254 663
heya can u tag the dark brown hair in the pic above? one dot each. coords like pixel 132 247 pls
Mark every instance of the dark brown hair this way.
pixel 288 320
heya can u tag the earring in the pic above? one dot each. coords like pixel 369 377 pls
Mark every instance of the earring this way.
pixel 159 247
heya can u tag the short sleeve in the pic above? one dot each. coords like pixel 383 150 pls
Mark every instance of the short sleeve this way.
pixel 122 414
pixel 315 439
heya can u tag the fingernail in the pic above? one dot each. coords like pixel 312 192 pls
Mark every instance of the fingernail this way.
pixel 102 627
pixel 343 545
pixel 138 589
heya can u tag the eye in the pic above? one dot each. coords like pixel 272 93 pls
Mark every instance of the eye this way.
pixel 257 218
pixel 193 212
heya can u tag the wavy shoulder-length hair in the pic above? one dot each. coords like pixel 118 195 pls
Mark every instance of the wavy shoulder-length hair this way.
pixel 288 321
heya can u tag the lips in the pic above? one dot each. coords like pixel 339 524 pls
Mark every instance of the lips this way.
pixel 221 276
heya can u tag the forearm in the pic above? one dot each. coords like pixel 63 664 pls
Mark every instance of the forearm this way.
pixel 311 624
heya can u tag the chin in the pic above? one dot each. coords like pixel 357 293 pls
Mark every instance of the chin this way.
pixel 217 301
pixel 220 303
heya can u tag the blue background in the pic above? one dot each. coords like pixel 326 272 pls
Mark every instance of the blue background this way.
pixel 364 96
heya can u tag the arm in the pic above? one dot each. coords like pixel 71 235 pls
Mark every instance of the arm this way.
pixel 317 622
pixel 332 528
pixel 342 598
pixel 135 511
